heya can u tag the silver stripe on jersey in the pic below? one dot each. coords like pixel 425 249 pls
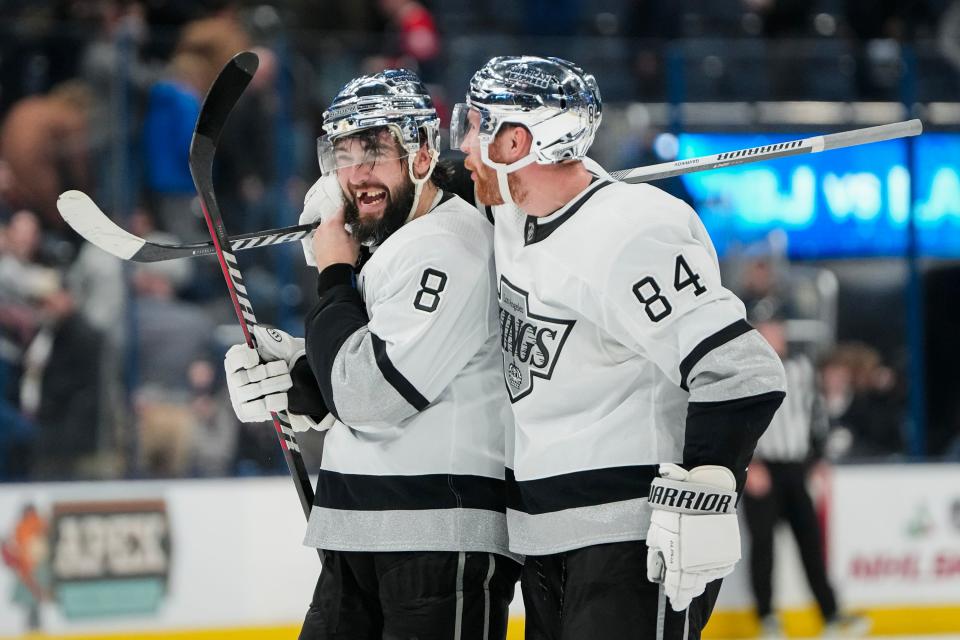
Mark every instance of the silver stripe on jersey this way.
pixel 798 420
pixel 582 526
pixel 743 367
pixel 409 530
pixel 353 394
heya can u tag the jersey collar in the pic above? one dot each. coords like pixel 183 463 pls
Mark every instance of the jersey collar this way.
pixel 536 229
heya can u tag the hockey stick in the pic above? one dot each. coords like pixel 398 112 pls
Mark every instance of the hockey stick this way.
pixel 86 218
pixel 815 144
pixel 221 98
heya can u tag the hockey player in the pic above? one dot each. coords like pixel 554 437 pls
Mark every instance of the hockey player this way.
pixel 637 386
pixel 404 353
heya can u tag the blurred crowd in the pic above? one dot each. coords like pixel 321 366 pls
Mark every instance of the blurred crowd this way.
pixel 112 369
pixel 862 395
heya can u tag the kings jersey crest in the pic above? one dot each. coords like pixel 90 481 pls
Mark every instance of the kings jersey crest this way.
pixel 531 343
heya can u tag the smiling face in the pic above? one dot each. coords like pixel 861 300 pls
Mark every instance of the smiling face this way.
pixel 377 190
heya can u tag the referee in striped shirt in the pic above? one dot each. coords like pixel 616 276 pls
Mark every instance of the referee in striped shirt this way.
pixel 776 487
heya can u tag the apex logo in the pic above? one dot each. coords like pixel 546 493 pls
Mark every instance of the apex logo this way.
pixel 91 559
pixel 531 343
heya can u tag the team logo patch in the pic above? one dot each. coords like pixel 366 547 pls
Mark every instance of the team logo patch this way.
pixel 531 343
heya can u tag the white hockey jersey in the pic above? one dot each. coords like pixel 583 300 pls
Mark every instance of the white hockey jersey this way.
pixel 611 309
pixel 415 461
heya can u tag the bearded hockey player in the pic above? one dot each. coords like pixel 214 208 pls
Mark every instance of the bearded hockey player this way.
pixel 404 354
pixel 638 389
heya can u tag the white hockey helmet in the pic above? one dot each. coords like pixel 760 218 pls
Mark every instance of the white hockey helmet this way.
pixel 395 99
pixel 557 102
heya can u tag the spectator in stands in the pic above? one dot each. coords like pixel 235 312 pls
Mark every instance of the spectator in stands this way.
pixel 776 486
pixel 16 431
pixel 61 389
pixel 413 40
pixel 22 279
pixel 217 37
pixel 216 425
pixel 864 403
pixel 6 184
pixel 173 339
pixel 759 279
pixel 172 110
pixel 24 271
pixel 44 143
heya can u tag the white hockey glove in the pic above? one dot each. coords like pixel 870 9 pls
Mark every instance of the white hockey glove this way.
pixel 694 537
pixel 324 199
pixel 258 379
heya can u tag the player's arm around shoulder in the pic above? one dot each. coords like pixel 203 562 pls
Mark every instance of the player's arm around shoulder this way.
pixel 379 368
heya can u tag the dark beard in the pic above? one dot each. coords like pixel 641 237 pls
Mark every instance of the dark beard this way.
pixel 394 215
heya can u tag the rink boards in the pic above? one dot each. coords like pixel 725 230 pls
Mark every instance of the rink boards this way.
pixel 222 558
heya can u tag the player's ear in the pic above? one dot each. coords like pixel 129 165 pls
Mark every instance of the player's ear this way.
pixel 520 141
pixel 421 161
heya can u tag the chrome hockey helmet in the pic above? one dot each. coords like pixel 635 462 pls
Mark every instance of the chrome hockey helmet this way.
pixel 395 99
pixel 557 102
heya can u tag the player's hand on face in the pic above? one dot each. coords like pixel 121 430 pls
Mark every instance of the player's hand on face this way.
pixel 324 199
pixel 333 244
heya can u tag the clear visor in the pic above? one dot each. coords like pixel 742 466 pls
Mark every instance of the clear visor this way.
pixel 364 150
pixel 468 126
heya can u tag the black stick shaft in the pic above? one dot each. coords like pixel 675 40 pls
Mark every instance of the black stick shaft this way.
pixel 220 100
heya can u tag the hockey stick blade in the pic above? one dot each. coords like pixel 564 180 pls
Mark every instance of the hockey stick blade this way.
pixel 816 144
pixel 219 102
pixel 84 216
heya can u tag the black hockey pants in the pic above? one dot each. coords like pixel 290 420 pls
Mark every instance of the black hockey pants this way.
pixel 426 595
pixel 602 592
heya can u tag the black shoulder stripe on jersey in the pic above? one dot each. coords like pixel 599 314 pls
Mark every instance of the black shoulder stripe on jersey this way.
pixel 726 433
pixel 579 489
pixel 445 196
pixel 537 231
pixel 488 211
pixel 362 492
pixel 395 378
pixel 708 344
pixel 339 312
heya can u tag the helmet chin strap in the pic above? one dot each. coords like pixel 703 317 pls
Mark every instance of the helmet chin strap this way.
pixel 503 169
pixel 419 182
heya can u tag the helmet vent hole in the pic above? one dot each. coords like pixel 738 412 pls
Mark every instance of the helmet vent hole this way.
pixel 563 103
